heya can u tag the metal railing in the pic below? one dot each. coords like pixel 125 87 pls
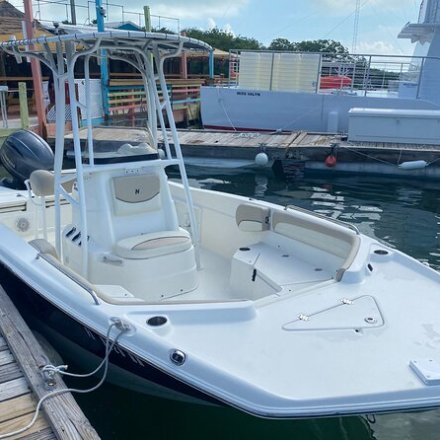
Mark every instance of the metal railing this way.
pixel 8 120
pixel 85 13
pixel 359 74
pixel 127 95
pixel 3 109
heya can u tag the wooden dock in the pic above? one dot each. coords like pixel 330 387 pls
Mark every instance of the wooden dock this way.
pixel 205 143
pixel 22 385
pixel 285 149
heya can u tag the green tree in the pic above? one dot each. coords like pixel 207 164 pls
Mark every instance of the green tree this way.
pixel 281 44
pixel 162 30
pixel 223 40
pixel 329 46
pixel 247 43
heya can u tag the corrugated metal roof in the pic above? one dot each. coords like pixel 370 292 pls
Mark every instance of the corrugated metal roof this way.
pixel 10 22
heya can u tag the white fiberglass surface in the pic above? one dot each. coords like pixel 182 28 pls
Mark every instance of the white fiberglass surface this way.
pixel 314 363
pixel 213 280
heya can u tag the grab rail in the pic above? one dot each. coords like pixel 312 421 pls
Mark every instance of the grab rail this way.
pixel 324 217
pixel 71 275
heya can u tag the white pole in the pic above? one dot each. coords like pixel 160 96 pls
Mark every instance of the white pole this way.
pixel 89 111
pixel 78 158
pixel 194 226
pixel 60 107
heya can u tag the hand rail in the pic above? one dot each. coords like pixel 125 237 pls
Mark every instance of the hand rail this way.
pixel 324 217
pixel 71 275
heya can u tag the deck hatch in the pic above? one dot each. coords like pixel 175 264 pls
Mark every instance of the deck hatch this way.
pixel 428 370
pixel 355 313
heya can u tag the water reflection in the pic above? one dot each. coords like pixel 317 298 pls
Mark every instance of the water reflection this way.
pixel 144 416
pixel 408 426
pixel 261 182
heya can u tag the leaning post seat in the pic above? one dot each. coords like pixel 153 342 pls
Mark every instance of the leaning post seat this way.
pixel 153 245
pixel 290 248
pixel 134 237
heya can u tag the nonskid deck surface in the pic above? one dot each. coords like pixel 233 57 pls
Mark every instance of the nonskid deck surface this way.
pixel 213 280
pixel 288 272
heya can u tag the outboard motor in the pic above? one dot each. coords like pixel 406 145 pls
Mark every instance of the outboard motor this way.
pixel 22 153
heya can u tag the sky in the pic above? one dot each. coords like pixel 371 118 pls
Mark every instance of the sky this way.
pixel 379 20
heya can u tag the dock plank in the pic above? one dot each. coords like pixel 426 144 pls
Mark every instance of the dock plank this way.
pixel 44 434
pixel 9 372
pixel 13 388
pixel 17 407
pixel 19 422
pixel 63 414
pixel 6 357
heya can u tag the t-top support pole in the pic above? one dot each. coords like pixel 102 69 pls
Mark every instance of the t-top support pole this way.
pixel 100 14
pixel 36 70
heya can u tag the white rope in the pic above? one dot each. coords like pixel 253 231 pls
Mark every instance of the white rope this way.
pixel 61 370
pixel 381 160
pixel 436 160
pixel 220 100
pixel 366 155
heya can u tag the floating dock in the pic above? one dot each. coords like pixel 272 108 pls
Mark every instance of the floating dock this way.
pixel 22 385
pixel 287 151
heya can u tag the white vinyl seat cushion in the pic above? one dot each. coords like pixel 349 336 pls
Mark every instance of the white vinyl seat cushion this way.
pixel 153 245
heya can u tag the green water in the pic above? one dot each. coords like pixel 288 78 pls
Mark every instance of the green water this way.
pixel 403 213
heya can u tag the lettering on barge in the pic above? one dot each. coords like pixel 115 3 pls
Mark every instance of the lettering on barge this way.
pixel 248 93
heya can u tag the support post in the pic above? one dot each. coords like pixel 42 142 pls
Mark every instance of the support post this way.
pixel 211 64
pixel 100 13
pixel 36 69
pixel 73 11
pixel 183 75
pixel 24 111
pixel 147 17
pixel 152 115
pixel 183 63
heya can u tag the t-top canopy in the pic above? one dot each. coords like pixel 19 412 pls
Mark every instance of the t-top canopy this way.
pixel 118 38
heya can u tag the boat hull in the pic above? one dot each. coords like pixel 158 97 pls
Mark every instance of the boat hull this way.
pixel 229 353
pixel 85 347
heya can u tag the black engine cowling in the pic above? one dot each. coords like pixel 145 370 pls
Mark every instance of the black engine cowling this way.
pixel 23 152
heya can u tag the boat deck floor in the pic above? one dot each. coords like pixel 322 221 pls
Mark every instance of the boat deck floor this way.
pixel 278 271
pixel 284 272
pixel 213 280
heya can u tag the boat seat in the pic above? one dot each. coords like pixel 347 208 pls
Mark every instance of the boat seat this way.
pixel 136 194
pixel 42 183
pixel 44 247
pixel 252 218
pixel 342 244
pixel 153 245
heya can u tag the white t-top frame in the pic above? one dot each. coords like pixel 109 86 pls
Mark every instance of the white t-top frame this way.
pixel 143 50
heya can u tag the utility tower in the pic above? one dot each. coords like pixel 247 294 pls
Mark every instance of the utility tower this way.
pixel 355 26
